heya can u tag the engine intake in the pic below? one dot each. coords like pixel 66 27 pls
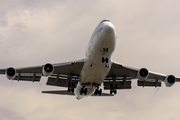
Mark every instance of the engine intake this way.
pixel 47 69
pixel 170 80
pixel 142 74
pixel 10 73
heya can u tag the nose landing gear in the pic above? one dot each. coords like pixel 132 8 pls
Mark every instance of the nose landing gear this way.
pixel 104 58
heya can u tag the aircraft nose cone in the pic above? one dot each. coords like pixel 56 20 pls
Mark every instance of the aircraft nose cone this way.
pixel 108 29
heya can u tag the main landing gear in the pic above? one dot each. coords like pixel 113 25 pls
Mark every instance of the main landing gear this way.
pixel 113 89
pixel 98 91
pixel 104 58
pixel 71 86
pixel 83 90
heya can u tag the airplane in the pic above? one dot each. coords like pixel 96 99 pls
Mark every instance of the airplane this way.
pixel 84 77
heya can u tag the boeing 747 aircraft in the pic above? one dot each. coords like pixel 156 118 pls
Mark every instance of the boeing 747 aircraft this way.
pixel 84 77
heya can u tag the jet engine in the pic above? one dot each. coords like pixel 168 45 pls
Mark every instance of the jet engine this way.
pixel 169 80
pixel 142 74
pixel 10 73
pixel 47 69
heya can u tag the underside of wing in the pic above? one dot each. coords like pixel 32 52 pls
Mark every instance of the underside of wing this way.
pixel 62 73
pixel 120 70
pixel 58 92
pixel 120 77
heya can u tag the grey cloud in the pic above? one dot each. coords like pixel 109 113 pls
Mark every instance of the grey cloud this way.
pixel 3 23
pixel 29 4
pixel 18 28
pixel 10 115
pixel 3 18
pixel 17 6
pixel 1 37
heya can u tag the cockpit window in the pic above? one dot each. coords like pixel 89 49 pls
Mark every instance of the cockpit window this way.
pixel 104 21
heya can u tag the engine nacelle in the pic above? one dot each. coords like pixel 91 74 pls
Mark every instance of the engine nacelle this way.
pixel 10 73
pixel 142 74
pixel 47 69
pixel 170 80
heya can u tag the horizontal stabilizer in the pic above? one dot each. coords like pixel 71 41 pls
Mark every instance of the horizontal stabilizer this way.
pixel 102 94
pixel 62 92
pixel 65 92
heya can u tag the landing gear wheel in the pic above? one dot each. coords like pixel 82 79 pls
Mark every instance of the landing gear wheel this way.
pixel 72 89
pixel 71 86
pixel 107 60
pixel 115 91
pixel 100 91
pixel 81 91
pixel 111 91
pixel 85 91
pixel 106 49
pixel 96 92
pixel 103 60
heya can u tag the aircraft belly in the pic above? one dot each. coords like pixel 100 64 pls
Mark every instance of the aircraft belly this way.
pixel 94 71
pixel 94 74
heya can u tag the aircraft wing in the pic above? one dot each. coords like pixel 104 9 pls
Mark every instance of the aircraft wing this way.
pixel 119 76
pixel 63 70
pixel 124 74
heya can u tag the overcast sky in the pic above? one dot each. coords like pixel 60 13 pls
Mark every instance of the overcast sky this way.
pixel 35 32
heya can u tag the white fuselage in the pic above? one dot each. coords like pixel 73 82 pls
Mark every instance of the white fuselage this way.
pixel 94 70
